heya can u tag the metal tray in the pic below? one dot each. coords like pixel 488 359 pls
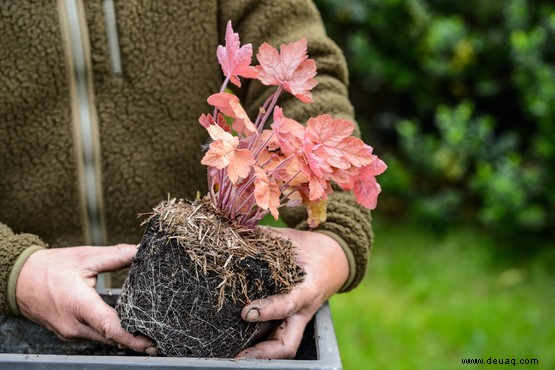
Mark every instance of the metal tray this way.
pixel 25 345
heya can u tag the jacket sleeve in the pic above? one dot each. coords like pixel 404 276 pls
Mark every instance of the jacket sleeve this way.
pixel 277 22
pixel 14 250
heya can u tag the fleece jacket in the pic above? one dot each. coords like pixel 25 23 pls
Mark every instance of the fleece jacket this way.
pixel 99 108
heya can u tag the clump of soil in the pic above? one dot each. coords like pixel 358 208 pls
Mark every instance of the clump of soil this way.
pixel 193 273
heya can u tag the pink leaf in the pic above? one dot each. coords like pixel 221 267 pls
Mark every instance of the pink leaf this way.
pixel 289 132
pixel 223 153
pixel 219 155
pixel 240 166
pixel 366 188
pixel 289 67
pixel 218 133
pixel 326 130
pixel 355 152
pixel 230 106
pixel 266 192
pixel 235 60
pixel 316 158
pixel 317 186
pixel 268 138
pixel 242 122
pixel 345 178
pixel 336 146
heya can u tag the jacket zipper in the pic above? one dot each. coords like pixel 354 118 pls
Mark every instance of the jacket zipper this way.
pixel 112 36
pixel 85 120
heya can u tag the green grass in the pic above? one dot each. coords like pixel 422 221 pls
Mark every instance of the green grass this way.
pixel 428 301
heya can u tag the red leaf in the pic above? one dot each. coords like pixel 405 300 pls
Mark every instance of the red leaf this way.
pixel 235 60
pixel 366 188
pixel 206 120
pixel 289 67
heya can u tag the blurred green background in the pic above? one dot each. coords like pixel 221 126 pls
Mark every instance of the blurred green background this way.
pixel 458 97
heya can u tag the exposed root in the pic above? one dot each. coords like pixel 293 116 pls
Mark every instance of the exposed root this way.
pixel 192 275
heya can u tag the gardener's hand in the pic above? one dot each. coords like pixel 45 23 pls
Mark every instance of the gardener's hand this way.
pixel 326 268
pixel 56 289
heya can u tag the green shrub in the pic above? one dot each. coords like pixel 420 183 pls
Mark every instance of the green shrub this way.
pixel 459 98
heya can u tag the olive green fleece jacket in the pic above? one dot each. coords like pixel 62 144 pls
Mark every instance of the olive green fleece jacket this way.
pixel 99 108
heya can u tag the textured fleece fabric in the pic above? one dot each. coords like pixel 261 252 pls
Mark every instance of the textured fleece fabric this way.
pixel 148 133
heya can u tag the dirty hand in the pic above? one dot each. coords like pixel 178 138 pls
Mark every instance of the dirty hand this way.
pixel 56 289
pixel 326 268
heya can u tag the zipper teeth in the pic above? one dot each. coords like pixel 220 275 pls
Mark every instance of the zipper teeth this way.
pixel 86 126
pixel 112 35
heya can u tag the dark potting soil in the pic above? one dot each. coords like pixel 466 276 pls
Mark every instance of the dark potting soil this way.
pixel 192 276
pixel 21 336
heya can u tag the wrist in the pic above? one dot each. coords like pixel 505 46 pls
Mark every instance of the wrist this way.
pixel 348 255
pixel 14 276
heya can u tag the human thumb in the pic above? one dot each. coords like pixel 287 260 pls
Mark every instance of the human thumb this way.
pixel 113 258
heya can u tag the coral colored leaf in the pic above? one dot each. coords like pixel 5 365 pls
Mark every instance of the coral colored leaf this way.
pixel 289 132
pixel 266 192
pixel 218 133
pixel 290 173
pixel 336 146
pixel 289 67
pixel 241 164
pixel 366 188
pixel 317 186
pixel 354 151
pixel 317 211
pixel 219 155
pixel 345 178
pixel 229 105
pixel 269 140
pixel 207 120
pixel 223 153
pixel 326 130
pixel 316 158
pixel 234 59
pixel 242 122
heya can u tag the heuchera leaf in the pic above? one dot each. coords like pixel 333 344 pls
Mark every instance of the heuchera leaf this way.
pixel 317 211
pixel 339 149
pixel 289 132
pixel 366 188
pixel 317 186
pixel 230 106
pixel 316 159
pixel 266 192
pixel 206 120
pixel 251 170
pixel 223 153
pixel 324 129
pixel 235 60
pixel 289 67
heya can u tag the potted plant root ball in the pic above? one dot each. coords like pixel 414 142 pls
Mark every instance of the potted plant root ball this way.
pixel 201 261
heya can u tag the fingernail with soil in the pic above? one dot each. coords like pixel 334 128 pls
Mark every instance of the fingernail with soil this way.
pixel 151 351
pixel 253 315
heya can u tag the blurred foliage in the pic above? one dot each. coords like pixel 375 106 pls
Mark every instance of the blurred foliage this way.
pixel 469 298
pixel 459 98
